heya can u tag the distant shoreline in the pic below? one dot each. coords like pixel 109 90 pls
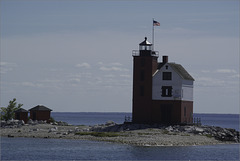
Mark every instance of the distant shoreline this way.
pixel 144 136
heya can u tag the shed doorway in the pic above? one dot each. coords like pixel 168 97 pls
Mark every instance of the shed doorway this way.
pixel 34 116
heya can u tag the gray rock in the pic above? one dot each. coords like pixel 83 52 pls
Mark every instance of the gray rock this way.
pixel 54 123
pixel 189 129
pixel 169 128
pixel 21 122
pixel 110 123
pixel 198 130
pixel 30 121
pixel 3 123
pixel 65 133
pixel 85 129
pixel 54 129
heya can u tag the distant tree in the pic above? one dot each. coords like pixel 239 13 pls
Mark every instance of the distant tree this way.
pixel 7 113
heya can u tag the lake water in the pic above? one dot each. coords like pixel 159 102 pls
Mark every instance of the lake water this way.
pixel 62 149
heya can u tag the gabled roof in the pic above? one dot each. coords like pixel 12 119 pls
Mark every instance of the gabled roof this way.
pixel 40 108
pixel 21 110
pixel 179 69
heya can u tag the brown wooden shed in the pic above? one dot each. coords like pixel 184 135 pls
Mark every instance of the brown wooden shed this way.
pixel 40 112
pixel 21 114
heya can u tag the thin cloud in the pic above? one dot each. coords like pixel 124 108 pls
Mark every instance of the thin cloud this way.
pixel 31 84
pixel 6 67
pixel 83 65
pixel 226 71
pixel 113 69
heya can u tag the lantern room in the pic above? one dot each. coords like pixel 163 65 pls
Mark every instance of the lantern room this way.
pixel 145 45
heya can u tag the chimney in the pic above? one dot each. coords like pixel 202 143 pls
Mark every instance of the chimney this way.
pixel 165 59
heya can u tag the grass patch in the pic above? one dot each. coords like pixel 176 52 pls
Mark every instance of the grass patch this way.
pixel 98 134
pixel 165 132
pixel 208 135
pixel 185 135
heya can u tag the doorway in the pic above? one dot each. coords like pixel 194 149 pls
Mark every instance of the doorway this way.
pixel 34 115
pixel 166 110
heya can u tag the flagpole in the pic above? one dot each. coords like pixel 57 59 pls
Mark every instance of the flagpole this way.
pixel 153 35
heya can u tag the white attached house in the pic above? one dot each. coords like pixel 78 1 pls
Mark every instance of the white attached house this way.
pixel 172 82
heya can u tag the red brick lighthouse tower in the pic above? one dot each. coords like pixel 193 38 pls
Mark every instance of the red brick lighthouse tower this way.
pixel 144 65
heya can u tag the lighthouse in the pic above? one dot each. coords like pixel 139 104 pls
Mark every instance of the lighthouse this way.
pixel 162 91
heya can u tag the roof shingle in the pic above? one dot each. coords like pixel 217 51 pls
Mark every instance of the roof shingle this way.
pixel 179 69
pixel 40 108
pixel 21 110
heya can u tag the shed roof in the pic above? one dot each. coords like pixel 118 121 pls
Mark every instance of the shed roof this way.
pixel 20 110
pixel 40 108
pixel 179 69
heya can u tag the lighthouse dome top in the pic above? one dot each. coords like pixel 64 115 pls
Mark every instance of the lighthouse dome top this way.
pixel 145 43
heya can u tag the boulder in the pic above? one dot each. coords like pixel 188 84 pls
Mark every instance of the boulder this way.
pixel 169 128
pixel 189 129
pixel 110 123
pixel 198 130
pixel 54 129
pixel 30 121
pixel 3 123
pixel 21 122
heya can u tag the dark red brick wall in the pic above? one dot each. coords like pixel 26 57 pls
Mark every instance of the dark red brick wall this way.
pixel 22 116
pixel 176 112
pixel 168 109
pixel 141 112
pixel 41 115
pixel 189 112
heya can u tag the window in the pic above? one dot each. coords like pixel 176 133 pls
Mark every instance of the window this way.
pixel 167 75
pixel 141 90
pixel 166 91
pixel 185 111
pixel 142 62
pixel 142 75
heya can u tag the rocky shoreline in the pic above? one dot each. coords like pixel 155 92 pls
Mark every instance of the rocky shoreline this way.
pixel 134 134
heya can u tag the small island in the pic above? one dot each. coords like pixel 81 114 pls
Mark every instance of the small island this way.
pixel 126 133
pixel 162 111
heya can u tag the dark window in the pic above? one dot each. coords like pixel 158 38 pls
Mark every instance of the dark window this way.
pixel 166 67
pixel 141 90
pixel 166 91
pixel 185 111
pixel 142 75
pixel 167 75
pixel 142 62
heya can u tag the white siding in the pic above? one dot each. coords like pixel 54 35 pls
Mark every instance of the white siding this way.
pixel 187 93
pixel 181 89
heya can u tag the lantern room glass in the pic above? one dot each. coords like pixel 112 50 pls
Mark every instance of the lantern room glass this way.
pixel 145 47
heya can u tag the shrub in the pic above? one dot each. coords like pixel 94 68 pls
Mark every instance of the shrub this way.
pixel 52 119
pixel 7 113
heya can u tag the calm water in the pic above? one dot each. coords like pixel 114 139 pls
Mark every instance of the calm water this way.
pixel 61 149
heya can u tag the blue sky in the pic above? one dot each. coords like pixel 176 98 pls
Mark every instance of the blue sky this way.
pixel 73 55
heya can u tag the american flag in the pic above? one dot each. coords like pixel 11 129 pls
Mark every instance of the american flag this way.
pixel 155 23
